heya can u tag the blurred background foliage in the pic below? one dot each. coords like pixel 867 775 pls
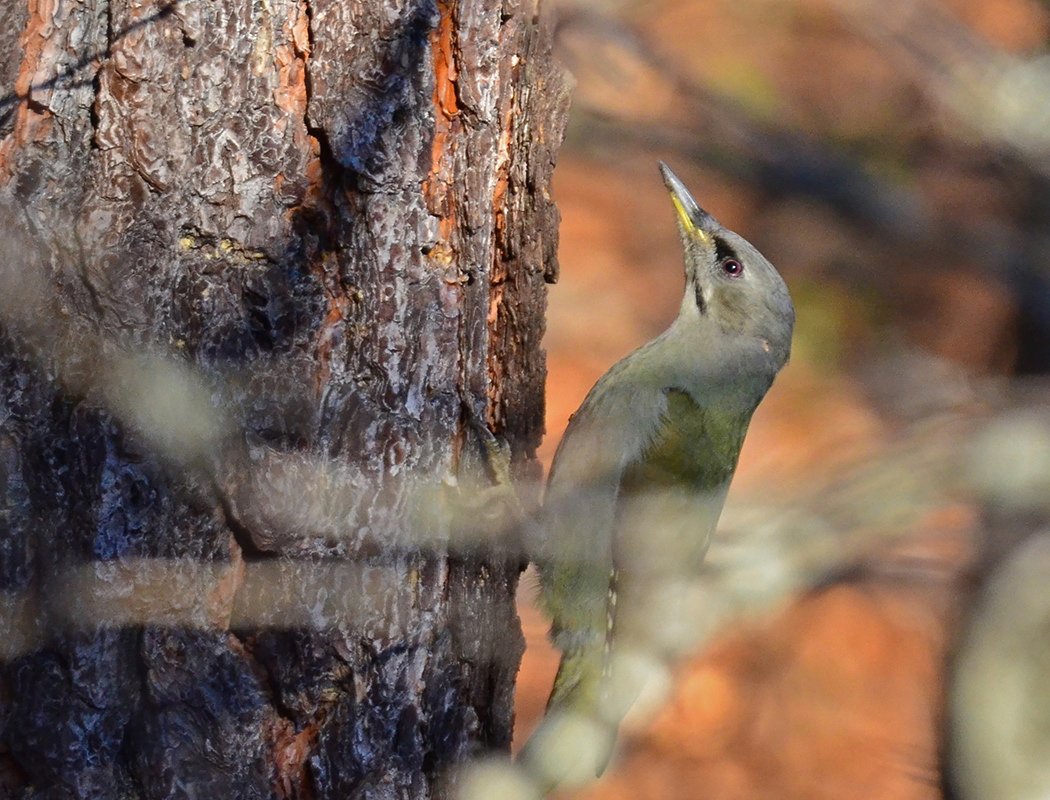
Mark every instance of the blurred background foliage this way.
pixel 892 159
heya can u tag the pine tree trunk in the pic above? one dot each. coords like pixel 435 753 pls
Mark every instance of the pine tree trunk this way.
pixel 269 270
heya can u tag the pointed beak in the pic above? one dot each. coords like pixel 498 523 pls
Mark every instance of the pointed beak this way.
pixel 693 218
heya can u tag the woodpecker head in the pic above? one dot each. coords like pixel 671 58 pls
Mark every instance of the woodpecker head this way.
pixel 729 284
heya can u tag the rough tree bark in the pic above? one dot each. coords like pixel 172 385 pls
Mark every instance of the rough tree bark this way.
pixel 270 267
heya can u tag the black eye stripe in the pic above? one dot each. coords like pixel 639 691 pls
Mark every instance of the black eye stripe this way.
pixel 723 252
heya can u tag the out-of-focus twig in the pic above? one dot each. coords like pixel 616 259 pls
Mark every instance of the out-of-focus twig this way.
pixel 1004 98
pixel 627 86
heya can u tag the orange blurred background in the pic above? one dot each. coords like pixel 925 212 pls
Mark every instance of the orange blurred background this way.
pixel 839 146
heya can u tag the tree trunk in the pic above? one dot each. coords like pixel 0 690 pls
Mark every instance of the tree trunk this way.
pixel 270 269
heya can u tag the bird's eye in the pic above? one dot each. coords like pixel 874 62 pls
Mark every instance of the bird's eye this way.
pixel 732 267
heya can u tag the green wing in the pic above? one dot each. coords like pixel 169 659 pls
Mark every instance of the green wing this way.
pixel 670 500
pixel 662 510
pixel 695 449
pixel 669 504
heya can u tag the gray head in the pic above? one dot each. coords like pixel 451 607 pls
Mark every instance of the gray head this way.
pixel 730 283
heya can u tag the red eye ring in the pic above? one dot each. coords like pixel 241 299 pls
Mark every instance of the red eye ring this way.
pixel 732 267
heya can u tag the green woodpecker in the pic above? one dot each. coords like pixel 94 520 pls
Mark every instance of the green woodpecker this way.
pixel 638 484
